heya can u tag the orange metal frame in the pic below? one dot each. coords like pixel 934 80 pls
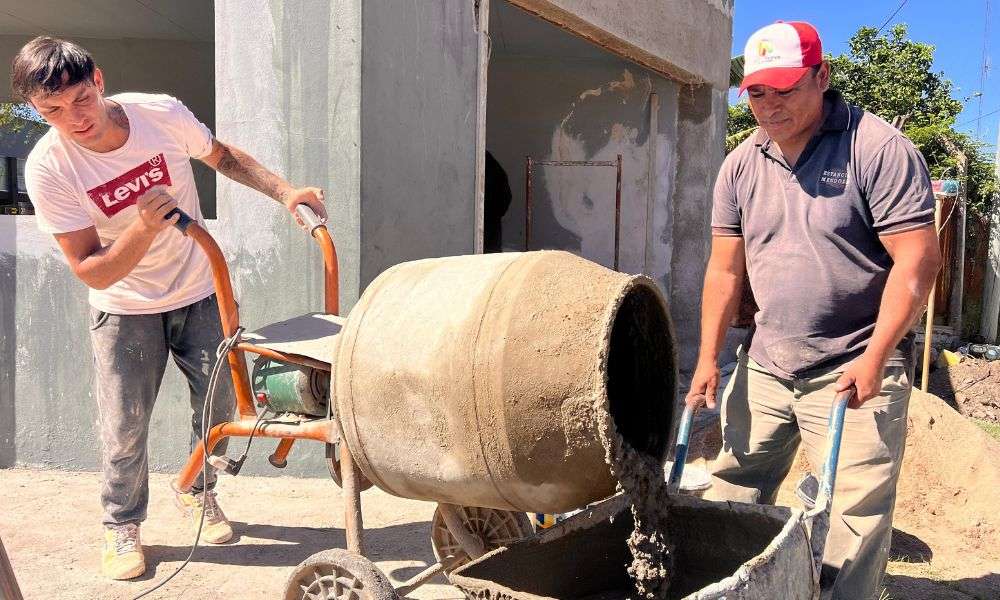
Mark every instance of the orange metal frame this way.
pixel 322 430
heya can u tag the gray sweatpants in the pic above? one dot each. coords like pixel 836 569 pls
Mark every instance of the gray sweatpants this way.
pixel 763 420
pixel 130 356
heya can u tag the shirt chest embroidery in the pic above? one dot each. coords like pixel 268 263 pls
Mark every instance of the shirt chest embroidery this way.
pixel 117 194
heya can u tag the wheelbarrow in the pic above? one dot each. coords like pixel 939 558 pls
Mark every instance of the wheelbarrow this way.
pixel 723 550
pixel 291 379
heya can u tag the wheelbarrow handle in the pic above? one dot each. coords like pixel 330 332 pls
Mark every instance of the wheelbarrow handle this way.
pixel 681 449
pixel 834 433
pixel 819 516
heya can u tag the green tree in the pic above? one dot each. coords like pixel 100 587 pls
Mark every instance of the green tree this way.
pixel 891 75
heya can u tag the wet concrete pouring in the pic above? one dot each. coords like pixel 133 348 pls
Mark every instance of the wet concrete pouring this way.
pixel 641 480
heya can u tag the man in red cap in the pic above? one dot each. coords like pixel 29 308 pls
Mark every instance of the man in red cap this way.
pixel 830 212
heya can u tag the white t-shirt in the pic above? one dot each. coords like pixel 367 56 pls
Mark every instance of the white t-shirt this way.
pixel 74 188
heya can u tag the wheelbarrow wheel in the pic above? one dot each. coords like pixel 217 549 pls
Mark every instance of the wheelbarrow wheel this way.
pixel 338 575
pixel 494 527
pixel 333 463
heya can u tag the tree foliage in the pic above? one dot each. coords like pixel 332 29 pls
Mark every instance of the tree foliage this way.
pixel 891 75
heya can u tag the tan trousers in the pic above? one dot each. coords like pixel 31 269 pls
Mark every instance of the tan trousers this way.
pixel 763 420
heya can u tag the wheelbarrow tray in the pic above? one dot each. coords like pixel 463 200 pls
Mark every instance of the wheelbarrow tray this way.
pixel 723 550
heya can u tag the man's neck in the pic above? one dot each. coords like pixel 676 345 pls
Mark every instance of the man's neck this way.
pixel 117 130
pixel 791 149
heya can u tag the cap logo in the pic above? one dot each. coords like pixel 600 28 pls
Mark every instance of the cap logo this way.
pixel 764 47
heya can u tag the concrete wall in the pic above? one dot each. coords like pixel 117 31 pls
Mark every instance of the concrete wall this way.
pixel 687 40
pixel 419 131
pixel 288 86
pixel 556 97
pixel 556 109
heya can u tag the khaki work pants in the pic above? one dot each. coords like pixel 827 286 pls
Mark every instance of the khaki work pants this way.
pixel 763 420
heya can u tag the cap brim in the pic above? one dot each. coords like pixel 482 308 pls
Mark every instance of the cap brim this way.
pixel 780 78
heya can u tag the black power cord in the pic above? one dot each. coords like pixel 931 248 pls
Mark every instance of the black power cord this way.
pixel 225 346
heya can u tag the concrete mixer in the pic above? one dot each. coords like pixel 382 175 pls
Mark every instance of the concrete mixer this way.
pixel 490 384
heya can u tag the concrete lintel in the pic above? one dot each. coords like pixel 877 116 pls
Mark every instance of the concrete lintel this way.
pixel 685 40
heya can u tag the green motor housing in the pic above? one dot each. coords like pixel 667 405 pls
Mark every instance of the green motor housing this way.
pixel 291 388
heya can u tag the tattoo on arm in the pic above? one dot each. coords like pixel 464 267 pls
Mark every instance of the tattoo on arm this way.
pixel 243 168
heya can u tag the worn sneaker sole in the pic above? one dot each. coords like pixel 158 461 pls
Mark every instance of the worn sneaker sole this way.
pixel 130 574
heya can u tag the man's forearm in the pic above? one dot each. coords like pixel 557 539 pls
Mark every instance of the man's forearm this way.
pixel 243 168
pixel 110 264
pixel 720 298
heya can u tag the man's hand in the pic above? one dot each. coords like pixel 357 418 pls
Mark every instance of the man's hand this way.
pixel 153 206
pixel 704 384
pixel 310 196
pixel 865 375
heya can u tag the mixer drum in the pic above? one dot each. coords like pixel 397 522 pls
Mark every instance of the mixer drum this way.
pixel 496 380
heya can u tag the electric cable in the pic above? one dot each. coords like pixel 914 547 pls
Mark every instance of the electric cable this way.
pixel 225 346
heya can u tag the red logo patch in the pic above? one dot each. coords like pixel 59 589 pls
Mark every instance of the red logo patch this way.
pixel 122 191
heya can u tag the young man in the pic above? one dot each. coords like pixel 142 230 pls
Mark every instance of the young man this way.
pixel 102 181
pixel 830 212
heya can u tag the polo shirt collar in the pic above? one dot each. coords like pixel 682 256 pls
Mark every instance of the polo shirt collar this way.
pixel 838 118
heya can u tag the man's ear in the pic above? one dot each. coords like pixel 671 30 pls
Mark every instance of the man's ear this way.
pixel 99 79
pixel 824 75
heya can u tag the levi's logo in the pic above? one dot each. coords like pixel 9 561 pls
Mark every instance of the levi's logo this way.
pixel 122 191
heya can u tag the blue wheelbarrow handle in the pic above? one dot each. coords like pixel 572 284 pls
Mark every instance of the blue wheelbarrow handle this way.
pixel 681 451
pixel 835 431
pixel 819 516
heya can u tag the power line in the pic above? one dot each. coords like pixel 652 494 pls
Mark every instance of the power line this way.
pixel 992 112
pixel 896 12
pixel 984 72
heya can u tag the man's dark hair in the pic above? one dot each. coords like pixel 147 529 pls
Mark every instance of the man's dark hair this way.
pixel 48 65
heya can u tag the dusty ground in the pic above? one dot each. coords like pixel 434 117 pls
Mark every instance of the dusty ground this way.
pixel 946 545
pixel 50 525
pixel 972 386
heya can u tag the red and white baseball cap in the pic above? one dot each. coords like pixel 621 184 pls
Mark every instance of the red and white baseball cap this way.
pixel 778 55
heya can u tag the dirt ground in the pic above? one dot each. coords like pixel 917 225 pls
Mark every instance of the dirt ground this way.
pixel 972 386
pixel 946 544
pixel 50 523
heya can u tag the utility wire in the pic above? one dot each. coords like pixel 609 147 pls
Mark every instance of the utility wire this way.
pixel 992 112
pixel 984 70
pixel 896 12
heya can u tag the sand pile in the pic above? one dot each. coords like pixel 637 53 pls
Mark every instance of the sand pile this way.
pixel 972 386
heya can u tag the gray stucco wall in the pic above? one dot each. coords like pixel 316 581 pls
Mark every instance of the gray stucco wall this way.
pixel 418 130
pixel 688 40
pixel 554 109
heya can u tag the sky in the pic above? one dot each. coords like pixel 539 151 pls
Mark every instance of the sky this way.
pixel 956 28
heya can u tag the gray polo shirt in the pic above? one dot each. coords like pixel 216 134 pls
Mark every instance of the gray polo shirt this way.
pixel 816 266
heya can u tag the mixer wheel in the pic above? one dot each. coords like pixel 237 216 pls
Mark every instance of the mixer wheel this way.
pixel 493 526
pixel 333 463
pixel 338 575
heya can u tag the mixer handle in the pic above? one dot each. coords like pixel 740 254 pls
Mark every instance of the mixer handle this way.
pixel 309 218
